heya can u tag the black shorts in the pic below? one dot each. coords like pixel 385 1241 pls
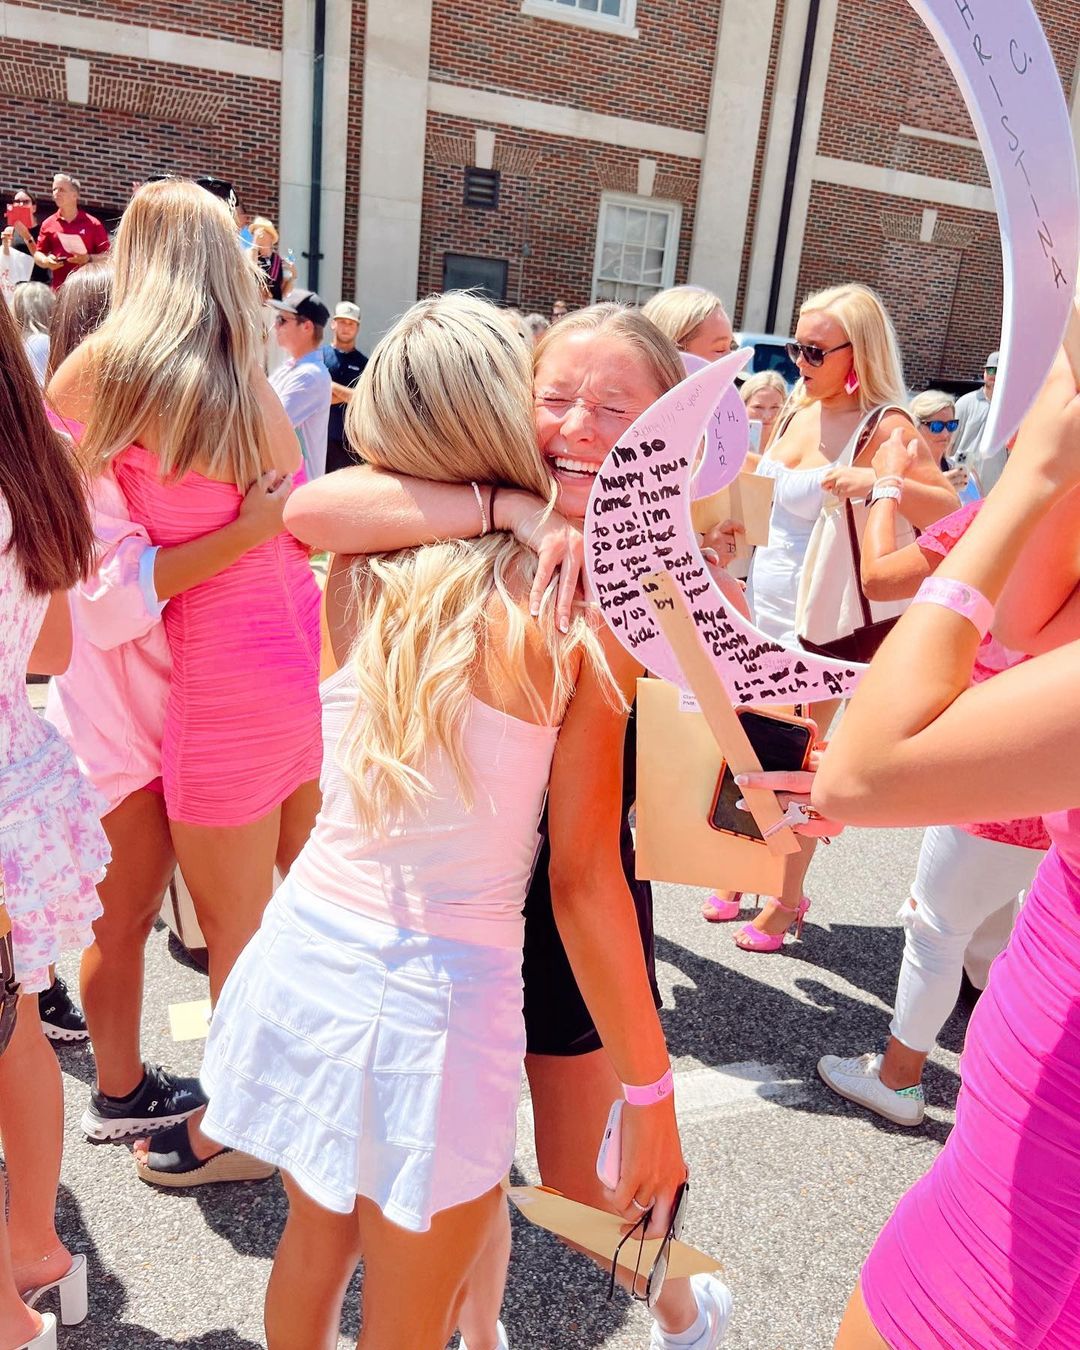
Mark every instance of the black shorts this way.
pixel 557 1022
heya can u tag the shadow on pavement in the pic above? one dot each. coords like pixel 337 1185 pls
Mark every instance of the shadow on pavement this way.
pixel 105 1328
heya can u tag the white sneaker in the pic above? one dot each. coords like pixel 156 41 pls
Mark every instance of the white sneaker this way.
pixel 715 1301
pixel 502 1342
pixel 859 1081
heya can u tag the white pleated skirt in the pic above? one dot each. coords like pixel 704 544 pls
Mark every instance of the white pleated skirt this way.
pixel 365 1059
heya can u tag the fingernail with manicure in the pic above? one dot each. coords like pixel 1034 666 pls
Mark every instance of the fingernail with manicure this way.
pixel 742 779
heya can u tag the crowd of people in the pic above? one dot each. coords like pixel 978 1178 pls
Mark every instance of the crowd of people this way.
pixel 434 755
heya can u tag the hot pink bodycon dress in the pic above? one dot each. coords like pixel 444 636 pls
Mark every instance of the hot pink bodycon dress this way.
pixel 984 1252
pixel 242 721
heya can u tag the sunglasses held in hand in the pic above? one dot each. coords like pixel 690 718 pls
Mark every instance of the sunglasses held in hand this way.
pixel 646 1287
pixel 813 356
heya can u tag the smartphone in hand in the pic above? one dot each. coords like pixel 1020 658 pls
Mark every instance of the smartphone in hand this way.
pixel 609 1159
pixel 780 743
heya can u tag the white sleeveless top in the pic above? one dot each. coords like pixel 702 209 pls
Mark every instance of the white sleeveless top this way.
pixel 444 869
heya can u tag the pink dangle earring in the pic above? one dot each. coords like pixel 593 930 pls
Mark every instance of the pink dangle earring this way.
pixel 851 384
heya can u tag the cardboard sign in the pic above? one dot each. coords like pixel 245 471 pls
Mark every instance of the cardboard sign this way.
pixel 748 500
pixel 638 522
pixel 727 438
pixel 1002 62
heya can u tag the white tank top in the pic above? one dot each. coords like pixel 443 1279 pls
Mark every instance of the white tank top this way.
pixel 444 869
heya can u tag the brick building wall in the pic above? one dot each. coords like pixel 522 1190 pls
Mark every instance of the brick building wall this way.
pixel 663 76
pixel 945 296
pixel 354 128
pixel 255 21
pixel 141 117
pixel 550 193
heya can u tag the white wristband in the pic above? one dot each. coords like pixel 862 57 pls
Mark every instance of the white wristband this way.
pixel 483 510
pixel 885 491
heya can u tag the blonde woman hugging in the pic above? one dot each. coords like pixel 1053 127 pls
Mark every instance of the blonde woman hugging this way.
pixel 370 1040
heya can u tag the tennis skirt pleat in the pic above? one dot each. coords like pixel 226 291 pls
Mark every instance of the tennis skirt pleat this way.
pixel 366 1059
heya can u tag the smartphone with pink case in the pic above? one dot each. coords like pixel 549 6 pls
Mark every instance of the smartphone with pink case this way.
pixel 609 1159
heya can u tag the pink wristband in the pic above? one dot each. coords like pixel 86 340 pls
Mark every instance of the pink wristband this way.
pixel 653 1092
pixel 961 598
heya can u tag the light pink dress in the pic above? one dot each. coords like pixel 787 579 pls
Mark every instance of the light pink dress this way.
pixel 109 705
pixel 53 850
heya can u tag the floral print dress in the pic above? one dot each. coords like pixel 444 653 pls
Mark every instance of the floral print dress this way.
pixel 53 850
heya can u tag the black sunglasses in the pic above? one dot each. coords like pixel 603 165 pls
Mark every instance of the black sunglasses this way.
pixel 646 1287
pixel 813 356
pixel 937 426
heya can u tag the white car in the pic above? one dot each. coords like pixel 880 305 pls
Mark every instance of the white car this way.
pixel 770 353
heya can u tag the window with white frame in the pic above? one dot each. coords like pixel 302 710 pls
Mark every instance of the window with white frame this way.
pixel 637 240
pixel 614 16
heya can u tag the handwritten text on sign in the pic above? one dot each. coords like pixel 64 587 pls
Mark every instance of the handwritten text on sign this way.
pixel 1003 64
pixel 638 522
pixel 726 440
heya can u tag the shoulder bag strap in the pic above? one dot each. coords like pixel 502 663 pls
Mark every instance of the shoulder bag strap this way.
pixel 856 557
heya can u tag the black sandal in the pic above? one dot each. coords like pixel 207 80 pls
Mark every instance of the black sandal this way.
pixel 171 1161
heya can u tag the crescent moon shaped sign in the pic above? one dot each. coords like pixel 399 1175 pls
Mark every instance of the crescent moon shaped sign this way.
pixel 726 440
pixel 638 522
pixel 1002 62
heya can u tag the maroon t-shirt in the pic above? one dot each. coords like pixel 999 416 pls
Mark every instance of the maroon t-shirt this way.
pixel 89 229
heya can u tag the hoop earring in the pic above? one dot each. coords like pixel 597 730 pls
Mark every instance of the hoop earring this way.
pixel 851 384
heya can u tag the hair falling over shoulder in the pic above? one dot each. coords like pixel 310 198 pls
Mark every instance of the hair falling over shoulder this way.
pixel 51 531
pixel 447 396
pixel 180 347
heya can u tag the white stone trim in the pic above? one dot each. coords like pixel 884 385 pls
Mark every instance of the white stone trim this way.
pixel 774 172
pixel 484 153
pixel 740 74
pixel 77 79
pixel 397 63
pixel 580 18
pixel 479 105
pixel 646 177
pixel 294 144
pixel 928 226
pixel 896 183
pixel 941 137
pixel 112 38
pixel 334 148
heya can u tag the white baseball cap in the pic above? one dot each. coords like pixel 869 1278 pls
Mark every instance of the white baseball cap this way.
pixel 347 310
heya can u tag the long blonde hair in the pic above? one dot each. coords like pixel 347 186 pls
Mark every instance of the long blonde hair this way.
pixel 875 351
pixel 446 396
pixel 181 346
pixel 680 311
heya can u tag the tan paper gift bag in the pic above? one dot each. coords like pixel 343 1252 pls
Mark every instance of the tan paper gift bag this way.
pixel 678 767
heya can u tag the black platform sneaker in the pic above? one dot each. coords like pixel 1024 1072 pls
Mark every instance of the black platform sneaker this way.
pixel 159 1101
pixel 61 1020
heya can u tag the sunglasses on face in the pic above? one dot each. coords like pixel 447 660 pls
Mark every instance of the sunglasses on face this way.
pixel 990 370
pixel 647 1286
pixel 813 356
pixel 281 319
pixel 937 425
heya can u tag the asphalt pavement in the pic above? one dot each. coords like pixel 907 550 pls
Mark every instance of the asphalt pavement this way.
pixel 790 1183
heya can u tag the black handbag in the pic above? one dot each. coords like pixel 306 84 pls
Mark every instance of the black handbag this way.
pixel 861 644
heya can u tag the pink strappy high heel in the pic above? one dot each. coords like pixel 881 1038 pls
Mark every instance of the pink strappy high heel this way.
pixel 715 910
pixel 752 939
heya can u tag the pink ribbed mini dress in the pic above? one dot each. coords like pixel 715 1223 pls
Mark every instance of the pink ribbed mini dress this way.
pixel 984 1252
pixel 242 721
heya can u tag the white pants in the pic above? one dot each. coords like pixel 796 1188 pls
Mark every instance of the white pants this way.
pixel 965 889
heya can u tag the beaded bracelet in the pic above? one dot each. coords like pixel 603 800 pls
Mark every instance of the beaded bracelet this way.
pixel 483 510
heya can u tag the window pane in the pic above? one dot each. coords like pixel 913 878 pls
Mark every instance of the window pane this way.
pixel 658 228
pixel 637 225
pixel 610 255
pixel 633 260
pixel 605 290
pixel 626 294
pixel 587 5
pixel 615 225
pixel 612 7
